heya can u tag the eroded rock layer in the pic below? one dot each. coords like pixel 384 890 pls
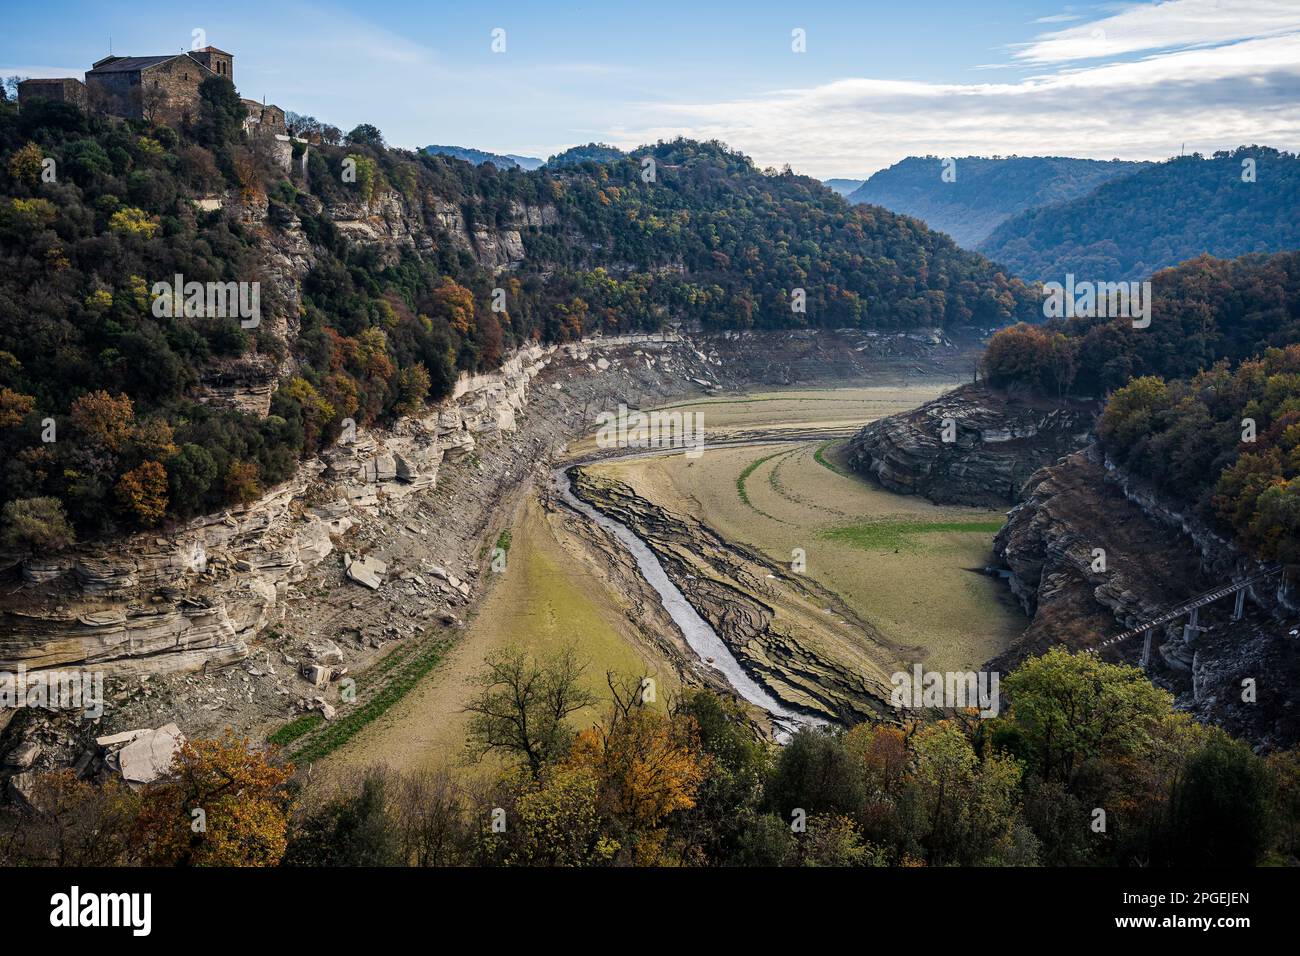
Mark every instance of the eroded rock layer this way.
pixel 970 446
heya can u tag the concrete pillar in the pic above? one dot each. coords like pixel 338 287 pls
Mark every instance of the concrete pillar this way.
pixel 1146 648
pixel 1190 628
pixel 1240 608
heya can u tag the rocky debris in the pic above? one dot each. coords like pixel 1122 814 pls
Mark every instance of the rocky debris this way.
pixel 366 570
pixel 142 756
pixel 318 675
pixel 325 652
pixel 997 443
pixel 166 619
pixel 24 755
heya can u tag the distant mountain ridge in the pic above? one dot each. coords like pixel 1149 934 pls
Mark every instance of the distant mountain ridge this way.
pixel 983 192
pixel 1227 205
pixel 479 156
pixel 843 186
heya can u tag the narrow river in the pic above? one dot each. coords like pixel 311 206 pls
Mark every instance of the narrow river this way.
pixel 701 637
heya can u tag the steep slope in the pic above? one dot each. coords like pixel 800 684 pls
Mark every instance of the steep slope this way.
pixel 985 191
pixel 1227 205
pixel 971 446
pixel 383 276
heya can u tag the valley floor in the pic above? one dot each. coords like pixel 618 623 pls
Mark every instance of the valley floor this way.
pixel 907 572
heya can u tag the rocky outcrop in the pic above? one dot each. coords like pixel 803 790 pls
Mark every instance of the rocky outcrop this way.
pixel 1092 551
pixel 200 593
pixel 1085 562
pixel 971 446
pixel 390 221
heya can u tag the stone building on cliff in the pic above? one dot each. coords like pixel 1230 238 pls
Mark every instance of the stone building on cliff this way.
pixel 157 89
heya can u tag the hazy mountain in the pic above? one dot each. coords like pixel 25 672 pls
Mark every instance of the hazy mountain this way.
pixel 1160 216
pixel 982 192
pixel 479 156
pixel 843 186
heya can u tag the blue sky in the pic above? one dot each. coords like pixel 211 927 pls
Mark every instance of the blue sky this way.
pixel 879 80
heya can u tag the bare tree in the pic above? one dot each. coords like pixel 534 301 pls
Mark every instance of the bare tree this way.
pixel 523 706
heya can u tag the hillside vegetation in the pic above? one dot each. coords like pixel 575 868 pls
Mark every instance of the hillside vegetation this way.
pixel 981 192
pixel 709 239
pixel 1205 403
pixel 1134 225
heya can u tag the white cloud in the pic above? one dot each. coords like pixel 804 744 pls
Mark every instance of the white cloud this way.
pixel 1244 89
pixel 1162 26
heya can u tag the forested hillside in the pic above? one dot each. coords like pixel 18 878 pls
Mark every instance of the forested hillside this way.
pixel 1227 205
pixel 709 239
pixel 1205 403
pixel 981 192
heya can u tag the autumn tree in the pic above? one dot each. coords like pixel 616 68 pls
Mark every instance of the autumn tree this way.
pixel 222 804
pixel 412 389
pixel 14 407
pixel 142 493
pixel 455 303
pixel 26 164
pixel 106 421
pixel 243 482
pixel 649 764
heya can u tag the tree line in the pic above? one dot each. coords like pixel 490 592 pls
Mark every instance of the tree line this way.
pixel 1089 765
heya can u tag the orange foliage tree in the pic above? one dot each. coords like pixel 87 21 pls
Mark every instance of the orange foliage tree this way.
pixel 224 804
pixel 142 492
pixel 105 420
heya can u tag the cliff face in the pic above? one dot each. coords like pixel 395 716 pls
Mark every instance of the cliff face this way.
pixel 1153 557
pixel 970 446
pixel 1085 562
pixel 198 594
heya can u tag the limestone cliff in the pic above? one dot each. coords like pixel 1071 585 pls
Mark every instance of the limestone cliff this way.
pixel 971 446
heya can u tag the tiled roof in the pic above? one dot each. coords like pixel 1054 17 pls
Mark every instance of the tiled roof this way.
pixel 133 64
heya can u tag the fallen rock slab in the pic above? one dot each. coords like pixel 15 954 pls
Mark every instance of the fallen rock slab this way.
pixel 366 571
pixel 150 754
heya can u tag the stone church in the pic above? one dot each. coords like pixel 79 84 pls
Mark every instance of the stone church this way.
pixel 158 89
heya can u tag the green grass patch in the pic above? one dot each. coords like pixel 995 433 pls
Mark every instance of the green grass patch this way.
pixel 503 540
pixel 744 475
pixel 901 533
pixel 819 456
pixel 405 675
pixel 295 728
